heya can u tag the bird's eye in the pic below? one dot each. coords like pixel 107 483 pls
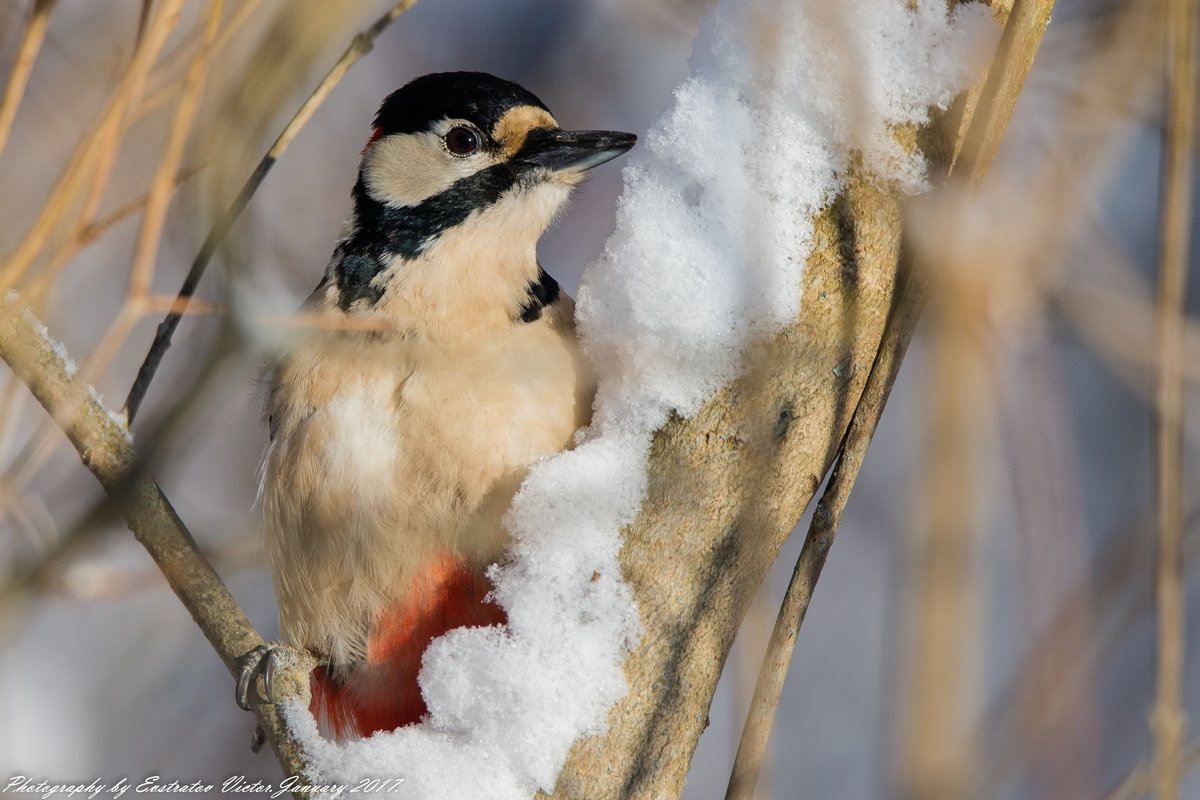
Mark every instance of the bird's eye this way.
pixel 462 141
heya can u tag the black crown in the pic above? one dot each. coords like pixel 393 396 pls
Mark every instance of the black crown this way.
pixel 474 96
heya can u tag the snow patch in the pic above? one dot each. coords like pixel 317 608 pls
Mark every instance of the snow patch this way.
pixel 713 230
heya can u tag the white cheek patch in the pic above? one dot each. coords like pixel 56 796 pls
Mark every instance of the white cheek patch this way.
pixel 405 169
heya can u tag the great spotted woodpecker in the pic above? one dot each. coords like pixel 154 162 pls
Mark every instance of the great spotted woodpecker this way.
pixel 396 447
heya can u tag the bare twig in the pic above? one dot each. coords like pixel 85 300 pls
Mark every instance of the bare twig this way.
pixel 18 78
pixel 1168 721
pixel 88 231
pixel 94 159
pixel 1018 46
pixel 103 444
pixel 360 46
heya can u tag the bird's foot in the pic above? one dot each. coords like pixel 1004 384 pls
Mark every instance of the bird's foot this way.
pixel 272 660
pixel 266 658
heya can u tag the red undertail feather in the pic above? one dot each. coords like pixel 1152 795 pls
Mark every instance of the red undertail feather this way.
pixel 383 694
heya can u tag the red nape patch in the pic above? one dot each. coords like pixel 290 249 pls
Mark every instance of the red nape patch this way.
pixel 383 694
pixel 374 138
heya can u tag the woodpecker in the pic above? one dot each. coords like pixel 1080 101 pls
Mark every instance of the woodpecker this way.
pixel 398 439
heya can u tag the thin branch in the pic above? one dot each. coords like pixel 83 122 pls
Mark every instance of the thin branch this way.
pixel 1018 46
pixel 1168 720
pixel 359 47
pixel 154 28
pixel 96 156
pixel 104 445
pixel 18 78
pixel 1117 592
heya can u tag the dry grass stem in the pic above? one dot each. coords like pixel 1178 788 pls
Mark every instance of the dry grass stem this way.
pixel 167 87
pixel 163 183
pixel 86 229
pixel 18 76
pixel 88 232
pixel 1168 721
pixel 1023 31
pixel 95 152
pixel 1084 151
pixel 1119 325
pixel 937 753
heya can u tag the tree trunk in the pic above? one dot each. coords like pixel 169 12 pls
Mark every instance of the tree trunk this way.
pixel 726 489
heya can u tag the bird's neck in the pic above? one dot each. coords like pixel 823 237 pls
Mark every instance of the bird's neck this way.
pixel 443 264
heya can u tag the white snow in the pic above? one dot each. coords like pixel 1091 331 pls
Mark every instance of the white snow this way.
pixel 713 230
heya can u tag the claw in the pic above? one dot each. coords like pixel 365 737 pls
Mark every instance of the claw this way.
pixel 269 666
pixel 257 739
pixel 262 657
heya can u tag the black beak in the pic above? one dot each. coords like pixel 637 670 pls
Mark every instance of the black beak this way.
pixel 572 151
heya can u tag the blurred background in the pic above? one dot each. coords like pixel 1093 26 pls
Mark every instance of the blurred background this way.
pixel 102 672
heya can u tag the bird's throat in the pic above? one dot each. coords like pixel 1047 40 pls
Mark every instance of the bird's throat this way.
pixel 479 273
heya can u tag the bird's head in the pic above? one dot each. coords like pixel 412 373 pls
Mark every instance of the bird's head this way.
pixel 461 176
